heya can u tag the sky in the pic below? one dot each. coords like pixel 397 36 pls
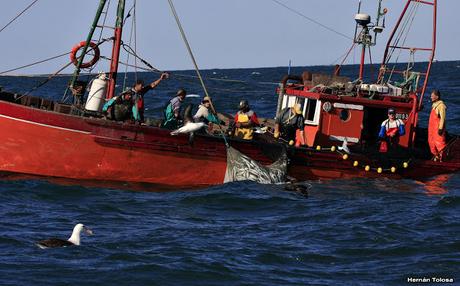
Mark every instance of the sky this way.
pixel 223 34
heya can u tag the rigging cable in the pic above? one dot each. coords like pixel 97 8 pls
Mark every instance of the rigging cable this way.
pixel 133 24
pixel 19 15
pixel 408 26
pixel 312 20
pixel 35 63
pixel 179 25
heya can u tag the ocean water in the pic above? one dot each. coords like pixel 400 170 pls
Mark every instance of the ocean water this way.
pixel 345 232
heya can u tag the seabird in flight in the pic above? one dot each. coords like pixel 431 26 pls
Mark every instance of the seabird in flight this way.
pixel 73 240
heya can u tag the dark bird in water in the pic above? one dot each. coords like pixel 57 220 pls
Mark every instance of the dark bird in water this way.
pixel 74 239
pixel 294 186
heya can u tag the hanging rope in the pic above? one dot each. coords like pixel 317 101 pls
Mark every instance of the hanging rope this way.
pixel 312 20
pixel 133 24
pixel 179 25
pixel 19 15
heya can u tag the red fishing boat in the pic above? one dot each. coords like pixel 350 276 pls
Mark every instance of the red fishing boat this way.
pixel 343 117
pixel 55 139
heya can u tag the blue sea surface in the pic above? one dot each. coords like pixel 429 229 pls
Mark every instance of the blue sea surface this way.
pixel 345 232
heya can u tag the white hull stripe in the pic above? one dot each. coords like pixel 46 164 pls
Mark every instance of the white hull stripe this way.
pixel 45 125
pixel 348 106
pixel 342 138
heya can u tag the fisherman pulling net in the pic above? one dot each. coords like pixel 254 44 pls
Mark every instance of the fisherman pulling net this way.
pixel 239 166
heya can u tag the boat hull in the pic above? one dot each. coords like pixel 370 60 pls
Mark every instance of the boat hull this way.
pixel 313 165
pixel 44 143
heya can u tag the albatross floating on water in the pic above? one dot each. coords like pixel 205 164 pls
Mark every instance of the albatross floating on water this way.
pixel 73 240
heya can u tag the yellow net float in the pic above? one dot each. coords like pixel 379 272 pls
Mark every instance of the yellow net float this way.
pixel 318 148
pixel 355 164
pixel 405 165
pixel 333 149
pixel 367 168
pixel 291 142
pixel 393 169
pixel 379 170
pixel 345 156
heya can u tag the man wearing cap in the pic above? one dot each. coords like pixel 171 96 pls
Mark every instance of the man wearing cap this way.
pixel 172 112
pixel 390 131
pixel 245 120
pixel 437 126
pixel 288 122
pixel 204 113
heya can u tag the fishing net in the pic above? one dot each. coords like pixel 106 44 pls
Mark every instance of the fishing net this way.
pixel 242 168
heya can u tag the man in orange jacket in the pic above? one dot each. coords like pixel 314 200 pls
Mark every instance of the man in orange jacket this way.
pixel 437 126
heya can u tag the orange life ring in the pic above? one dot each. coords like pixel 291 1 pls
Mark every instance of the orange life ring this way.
pixel 73 54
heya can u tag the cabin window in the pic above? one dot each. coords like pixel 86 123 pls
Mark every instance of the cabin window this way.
pixel 288 101
pixel 311 111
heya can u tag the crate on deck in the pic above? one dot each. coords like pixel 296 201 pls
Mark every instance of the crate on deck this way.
pixel 31 101
pixel 47 104
pixel 62 108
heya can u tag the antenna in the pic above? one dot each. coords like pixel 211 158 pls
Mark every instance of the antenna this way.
pixel 356 26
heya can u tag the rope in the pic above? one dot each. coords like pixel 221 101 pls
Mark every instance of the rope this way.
pixel 19 15
pixel 45 81
pixel 312 20
pixel 135 40
pixel 133 23
pixel 345 56
pixel 406 25
pixel 101 32
pixel 179 25
pixel 35 63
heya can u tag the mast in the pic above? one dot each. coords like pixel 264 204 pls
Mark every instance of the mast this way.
pixel 76 72
pixel 365 38
pixel 394 43
pixel 116 49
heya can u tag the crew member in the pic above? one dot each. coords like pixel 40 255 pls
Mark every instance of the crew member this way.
pixel 129 105
pixel 288 122
pixel 390 131
pixel 437 126
pixel 120 108
pixel 172 115
pixel 137 93
pixel 204 113
pixel 245 120
pixel 78 91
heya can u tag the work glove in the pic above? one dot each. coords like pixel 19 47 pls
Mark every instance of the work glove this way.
pixel 276 134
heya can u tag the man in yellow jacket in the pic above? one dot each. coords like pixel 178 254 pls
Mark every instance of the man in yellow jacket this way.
pixel 437 126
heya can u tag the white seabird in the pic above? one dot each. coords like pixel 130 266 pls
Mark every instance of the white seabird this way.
pixel 189 127
pixel 74 239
